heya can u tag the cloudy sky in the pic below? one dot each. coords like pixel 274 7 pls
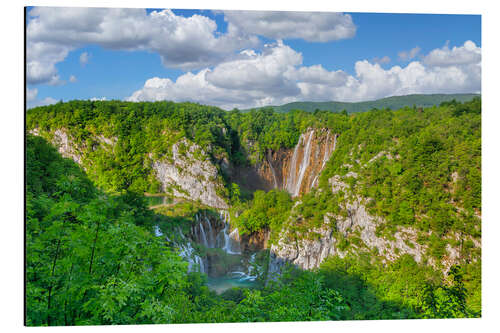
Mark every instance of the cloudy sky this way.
pixel 245 59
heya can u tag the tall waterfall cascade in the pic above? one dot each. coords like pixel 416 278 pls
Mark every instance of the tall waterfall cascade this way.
pixel 309 157
pixel 273 172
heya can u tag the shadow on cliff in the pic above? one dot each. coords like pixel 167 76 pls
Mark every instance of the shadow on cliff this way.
pixel 242 172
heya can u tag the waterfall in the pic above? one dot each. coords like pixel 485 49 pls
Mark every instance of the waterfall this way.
pixel 186 251
pixel 195 263
pixel 327 152
pixel 272 170
pixel 230 240
pixel 225 234
pixel 158 232
pixel 200 262
pixel 203 235
pixel 211 240
pixel 290 181
pixel 204 232
pixel 248 275
pixel 234 242
pixel 304 164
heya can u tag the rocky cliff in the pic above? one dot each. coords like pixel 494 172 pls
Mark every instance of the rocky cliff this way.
pixel 64 143
pixel 187 173
pixel 190 174
pixel 360 228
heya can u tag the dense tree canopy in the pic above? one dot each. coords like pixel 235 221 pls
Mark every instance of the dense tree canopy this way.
pixel 92 256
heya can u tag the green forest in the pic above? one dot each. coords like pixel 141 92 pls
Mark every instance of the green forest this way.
pixel 92 255
pixel 393 102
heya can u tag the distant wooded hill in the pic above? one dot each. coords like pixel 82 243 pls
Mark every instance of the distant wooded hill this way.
pixel 394 102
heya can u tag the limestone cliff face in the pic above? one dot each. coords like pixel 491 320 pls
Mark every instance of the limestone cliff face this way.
pixel 304 253
pixel 68 147
pixel 64 144
pixel 254 242
pixel 308 252
pixel 190 174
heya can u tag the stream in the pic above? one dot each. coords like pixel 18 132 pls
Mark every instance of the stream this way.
pixel 221 284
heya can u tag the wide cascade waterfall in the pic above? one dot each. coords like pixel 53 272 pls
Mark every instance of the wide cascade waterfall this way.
pixel 213 232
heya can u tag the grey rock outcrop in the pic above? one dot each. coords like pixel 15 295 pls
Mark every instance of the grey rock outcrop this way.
pixel 65 145
pixel 303 253
pixel 308 251
pixel 189 176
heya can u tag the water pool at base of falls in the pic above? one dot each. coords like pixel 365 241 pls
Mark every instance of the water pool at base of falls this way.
pixel 221 257
pixel 221 284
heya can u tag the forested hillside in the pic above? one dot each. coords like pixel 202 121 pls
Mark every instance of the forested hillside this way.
pixel 394 194
pixel 394 102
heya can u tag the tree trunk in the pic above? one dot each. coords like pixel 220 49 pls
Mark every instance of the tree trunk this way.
pixel 50 287
pixel 93 249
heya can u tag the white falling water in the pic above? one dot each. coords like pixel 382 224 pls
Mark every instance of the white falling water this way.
pixel 249 275
pixel 230 240
pixel 211 240
pixel 327 151
pixel 203 235
pixel 158 232
pixel 272 171
pixel 303 165
pixel 195 262
pixel 290 181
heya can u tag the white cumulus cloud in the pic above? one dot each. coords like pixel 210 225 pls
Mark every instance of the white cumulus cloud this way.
pixel 466 54
pixel 276 76
pixel 310 26
pixel 182 42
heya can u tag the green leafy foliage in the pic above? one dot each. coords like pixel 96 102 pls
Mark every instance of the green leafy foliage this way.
pixel 421 169
pixel 135 131
pixel 92 257
pixel 266 211
pixel 303 297
pixel 401 289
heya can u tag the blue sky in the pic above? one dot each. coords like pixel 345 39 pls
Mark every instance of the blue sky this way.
pixel 287 57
